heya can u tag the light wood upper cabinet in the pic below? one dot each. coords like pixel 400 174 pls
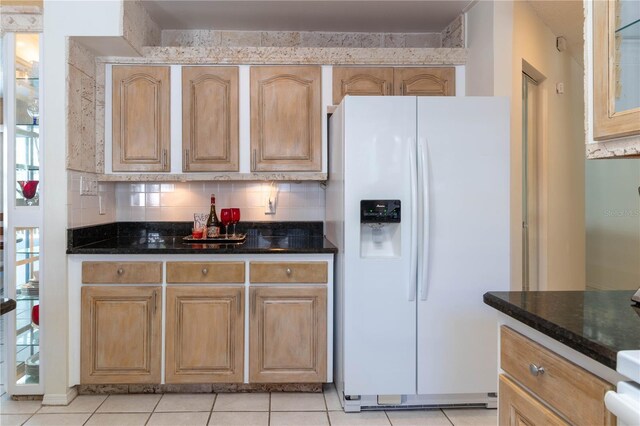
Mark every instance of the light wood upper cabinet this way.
pixel 616 94
pixel 140 112
pixel 361 81
pixel 205 334
pixel 120 334
pixel 397 81
pixel 210 119
pixel 287 334
pixel 286 118
pixel 432 81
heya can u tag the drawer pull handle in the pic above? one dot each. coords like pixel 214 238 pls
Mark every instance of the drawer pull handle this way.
pixel 535 370
pixel 120 271
pixel 205 271
pixel 288 271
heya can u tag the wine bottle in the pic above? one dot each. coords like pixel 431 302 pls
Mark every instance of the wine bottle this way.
pixel 213 223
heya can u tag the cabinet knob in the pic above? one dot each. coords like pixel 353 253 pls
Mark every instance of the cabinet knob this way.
pixel 536 370
pixel 288 271
pixel 120 271
pixel 205 271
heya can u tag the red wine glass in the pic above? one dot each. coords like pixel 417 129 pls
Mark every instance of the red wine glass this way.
pixel 235 218
pixel 28 188
pixel 225 218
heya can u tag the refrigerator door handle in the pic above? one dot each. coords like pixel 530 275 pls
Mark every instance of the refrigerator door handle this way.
pixel 423 161
pixel 413 220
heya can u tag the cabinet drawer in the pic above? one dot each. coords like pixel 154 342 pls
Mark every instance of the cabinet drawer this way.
pixel 518 407
pixel 121 272
pixel 571 390
pixel 288 272
pixel 205 272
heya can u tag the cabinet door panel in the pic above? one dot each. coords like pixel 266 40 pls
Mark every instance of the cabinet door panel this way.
pixel 424 81
pixel 120 335
pixel 287 335
pixel 205 272
pixel 570 389
pixel 288 272
pixel 105 272
pixel 140 118
pixel 205 334
pixel 286 118
pixel 519 408
pixel 361 81
pixel 210 118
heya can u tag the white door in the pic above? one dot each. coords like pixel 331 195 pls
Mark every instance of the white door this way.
pixel 379 291
pixel 465 142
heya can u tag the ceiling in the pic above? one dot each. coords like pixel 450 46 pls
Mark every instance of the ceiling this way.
pixel 564 17
pixel 307 15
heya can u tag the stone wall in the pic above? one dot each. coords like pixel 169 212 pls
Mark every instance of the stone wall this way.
pixel 212 38
pixel 81 117
pixel 20 17
pixel 137 26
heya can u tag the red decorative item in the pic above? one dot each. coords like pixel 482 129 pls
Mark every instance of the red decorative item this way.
pixel 29 188
pixel 225 218
pixel 35 315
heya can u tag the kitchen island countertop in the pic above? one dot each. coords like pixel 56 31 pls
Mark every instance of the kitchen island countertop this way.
pixel 167 238
pixel 597 324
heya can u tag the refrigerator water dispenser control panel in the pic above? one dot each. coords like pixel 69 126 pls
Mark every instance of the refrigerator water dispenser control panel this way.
pixel 380 211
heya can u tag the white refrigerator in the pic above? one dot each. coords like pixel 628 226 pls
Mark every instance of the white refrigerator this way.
pixel 417 203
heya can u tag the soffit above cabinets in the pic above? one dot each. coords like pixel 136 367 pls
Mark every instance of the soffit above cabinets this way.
pixel 309 15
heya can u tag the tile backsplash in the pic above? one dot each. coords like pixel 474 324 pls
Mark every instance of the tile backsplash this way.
pixel 303 201
pixel 84 210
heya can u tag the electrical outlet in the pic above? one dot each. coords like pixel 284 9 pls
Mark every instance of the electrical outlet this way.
pixel 88 186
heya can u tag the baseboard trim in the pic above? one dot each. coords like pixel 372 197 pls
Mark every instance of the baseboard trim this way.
pixel 60 398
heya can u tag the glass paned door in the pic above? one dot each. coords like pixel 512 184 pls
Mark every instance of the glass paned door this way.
pixel 27 305
pixel 23 212
pixel 27 140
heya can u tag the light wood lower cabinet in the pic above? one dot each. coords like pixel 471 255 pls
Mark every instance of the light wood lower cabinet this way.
pixel 122 272
pixel 204 334
pixel 288 272
pixel 517 407
pixel 205 272
pixel 287 334
pixel 120 334
pixel 558 384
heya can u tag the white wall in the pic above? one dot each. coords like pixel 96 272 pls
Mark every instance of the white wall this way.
pixel 613 224
pixel 479 38
pixel 562 163
pixel 518 36
pixel 61 19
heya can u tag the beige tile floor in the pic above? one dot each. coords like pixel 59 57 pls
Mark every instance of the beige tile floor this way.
pixel 242 409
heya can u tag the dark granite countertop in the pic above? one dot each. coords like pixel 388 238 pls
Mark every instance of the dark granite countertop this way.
pixel 7 305
pixel 595 323
pixel 167 238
